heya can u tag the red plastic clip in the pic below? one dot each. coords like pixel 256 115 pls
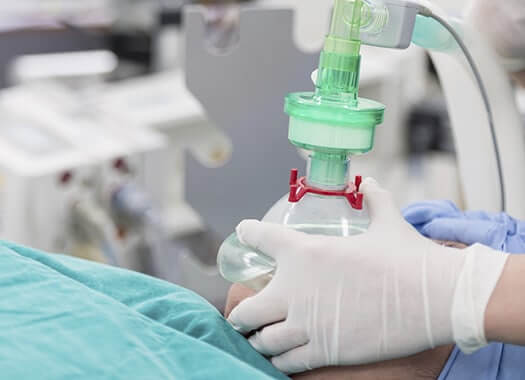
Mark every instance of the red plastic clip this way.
pixel 293 186
pixel 357 182
pixel 356 200
pixel 298 189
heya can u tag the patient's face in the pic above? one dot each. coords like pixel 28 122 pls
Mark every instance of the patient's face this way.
pixel 426 365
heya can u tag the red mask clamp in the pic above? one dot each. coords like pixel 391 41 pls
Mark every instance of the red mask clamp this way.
pixel 298 188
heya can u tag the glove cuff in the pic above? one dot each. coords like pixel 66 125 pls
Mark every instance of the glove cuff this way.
pixel 477 280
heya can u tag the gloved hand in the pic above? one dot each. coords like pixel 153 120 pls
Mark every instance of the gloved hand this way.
pixel 386 293
pixel 503 22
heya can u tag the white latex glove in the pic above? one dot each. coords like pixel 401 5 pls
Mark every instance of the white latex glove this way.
pixel 384 294
pixel 503 22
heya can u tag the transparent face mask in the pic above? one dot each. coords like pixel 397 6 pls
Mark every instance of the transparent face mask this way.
pixel 316 214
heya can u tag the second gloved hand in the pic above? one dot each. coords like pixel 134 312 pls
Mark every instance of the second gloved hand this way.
pixel 384 294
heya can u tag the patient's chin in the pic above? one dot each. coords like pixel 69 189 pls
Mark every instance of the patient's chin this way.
pixel 236 294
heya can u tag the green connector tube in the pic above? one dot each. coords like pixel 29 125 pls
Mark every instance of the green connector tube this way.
pixel 328 170
pixel 338 73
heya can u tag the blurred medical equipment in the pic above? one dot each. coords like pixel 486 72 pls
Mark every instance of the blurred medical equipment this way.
pixel 161 102
pixel 145 35
pixel 138 131
pixel 130 208
pixel 115 160
pixel 76 69
pixel 49 14
pixel 37 181
pixel 118 159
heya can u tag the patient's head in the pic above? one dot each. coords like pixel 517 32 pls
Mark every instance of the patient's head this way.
pixel 426 365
